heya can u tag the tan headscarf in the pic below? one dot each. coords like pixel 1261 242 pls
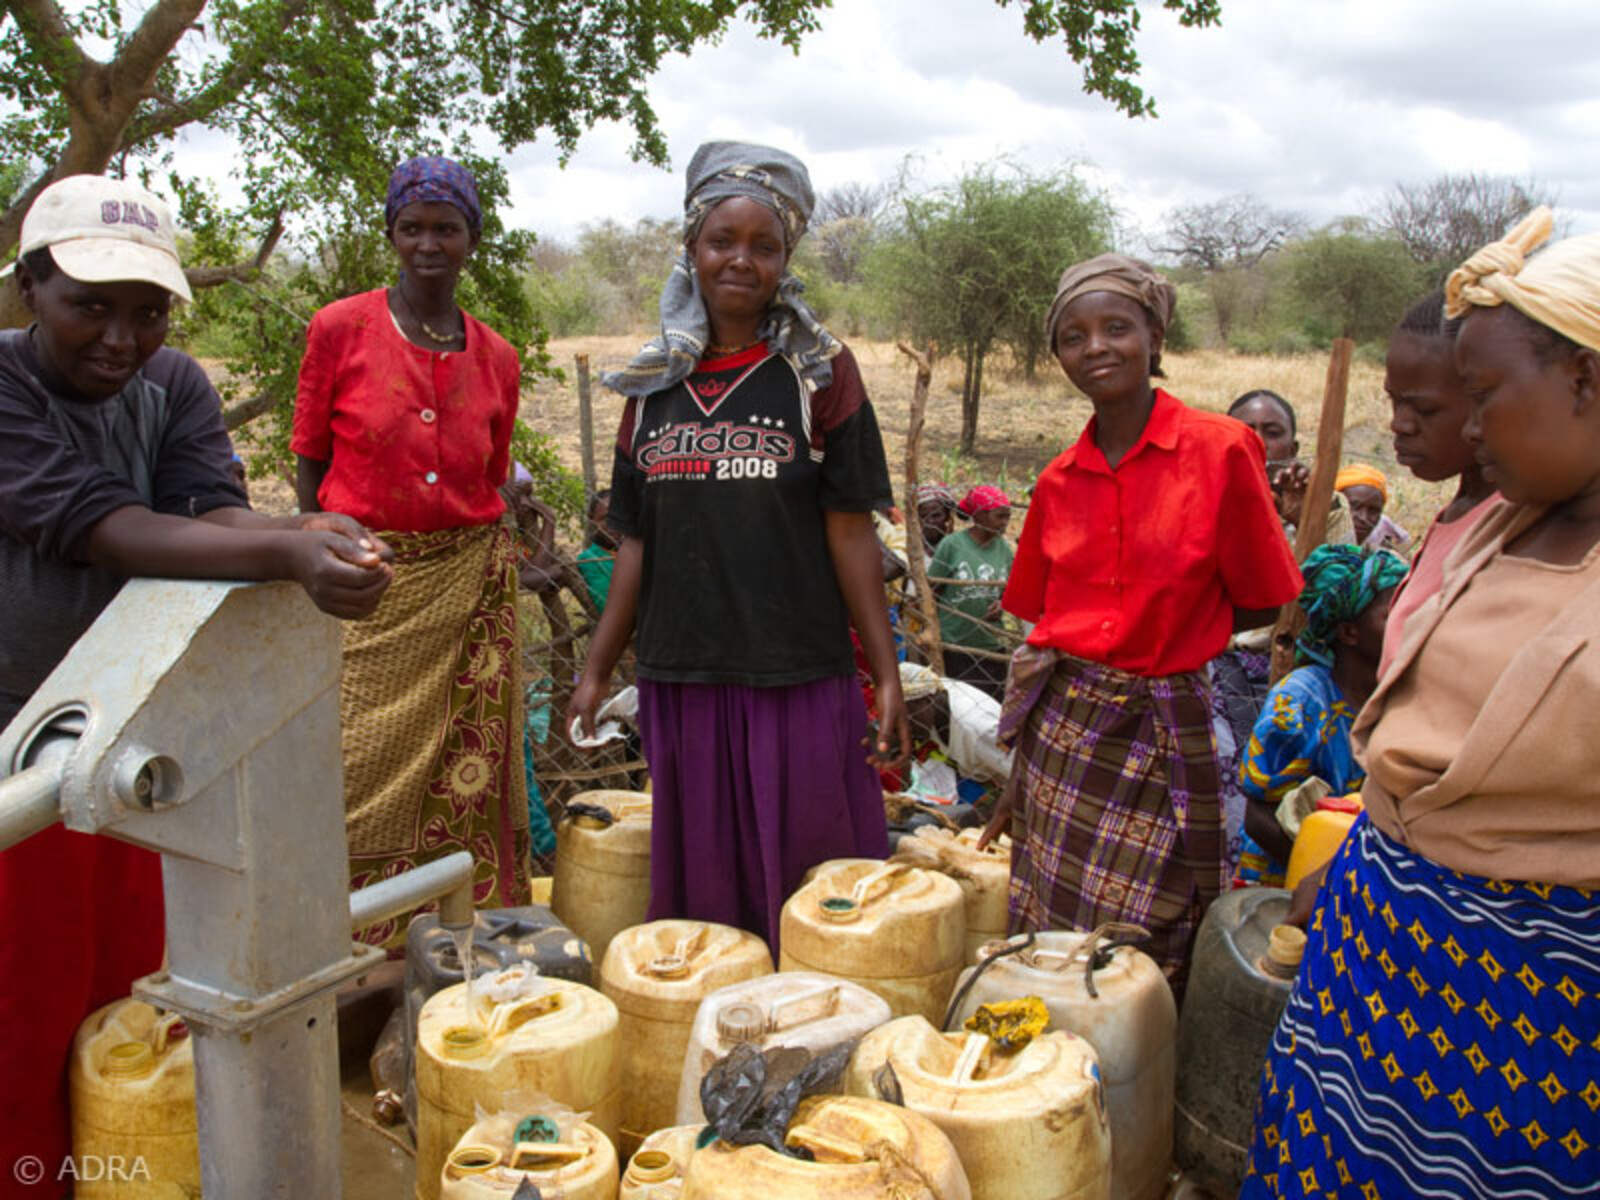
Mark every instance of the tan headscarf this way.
pixel 1119 274
pixel 1560 288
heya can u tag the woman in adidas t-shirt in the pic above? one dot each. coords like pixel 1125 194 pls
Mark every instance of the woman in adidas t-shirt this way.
pixel 747 466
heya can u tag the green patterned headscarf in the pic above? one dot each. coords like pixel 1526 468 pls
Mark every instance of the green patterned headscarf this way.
pixel 1341 581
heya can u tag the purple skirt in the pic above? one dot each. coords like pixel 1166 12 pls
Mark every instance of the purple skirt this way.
pixel 753 787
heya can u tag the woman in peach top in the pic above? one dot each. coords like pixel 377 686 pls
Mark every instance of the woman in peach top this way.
pixel 1440 1039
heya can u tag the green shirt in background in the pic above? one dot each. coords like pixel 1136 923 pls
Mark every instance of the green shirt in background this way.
pixel 595 563
pixel 960 557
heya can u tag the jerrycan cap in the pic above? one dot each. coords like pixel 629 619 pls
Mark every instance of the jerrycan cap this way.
pixel 839 909
pixel 651 1166
pixel 130 1060
pixel 1286 946
pixel 472 1159
pixel 465 1041
pixel 537 1128
pixel 741 1021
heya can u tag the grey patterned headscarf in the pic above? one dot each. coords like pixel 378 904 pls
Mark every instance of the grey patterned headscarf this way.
pixel 717 172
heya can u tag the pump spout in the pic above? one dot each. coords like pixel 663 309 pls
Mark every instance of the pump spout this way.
pixel 449 877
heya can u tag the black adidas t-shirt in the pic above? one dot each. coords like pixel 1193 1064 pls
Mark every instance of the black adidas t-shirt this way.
pixel 725 477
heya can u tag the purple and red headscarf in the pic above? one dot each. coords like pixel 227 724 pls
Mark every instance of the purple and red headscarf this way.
pixel 433 180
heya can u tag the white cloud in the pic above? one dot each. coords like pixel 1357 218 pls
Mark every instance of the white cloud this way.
pixel 1313 107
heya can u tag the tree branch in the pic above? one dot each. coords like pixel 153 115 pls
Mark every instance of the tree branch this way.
pixel 175 113
pixel 131 74
pixel 245 411
pixel 45 27
pixel 205 277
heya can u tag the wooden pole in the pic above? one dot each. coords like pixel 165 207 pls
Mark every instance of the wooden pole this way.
pixel 914 564
pixel 1313 527
pixel 586 427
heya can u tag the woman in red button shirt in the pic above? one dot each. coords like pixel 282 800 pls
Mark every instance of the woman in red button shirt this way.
pixel 1148 543
pixel 404 415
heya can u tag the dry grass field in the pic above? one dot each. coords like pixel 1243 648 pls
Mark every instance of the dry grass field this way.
pixel 1023 425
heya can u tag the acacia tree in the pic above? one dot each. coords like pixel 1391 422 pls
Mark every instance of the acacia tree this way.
pixel 975 264
pixel 1355 279
pixel 1443 221
pixel 1225 241
pixel 321 97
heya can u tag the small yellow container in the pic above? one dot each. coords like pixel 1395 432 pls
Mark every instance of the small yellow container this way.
pixel 601 883
pixel 656 1171
pixel 984 876
pixel 488 1163
pixel 862 1150
pixel 1029 1124
pixel 131 1080
pixel 657 974
pixel 896 930
pixel 1321 835
pixel 559 1039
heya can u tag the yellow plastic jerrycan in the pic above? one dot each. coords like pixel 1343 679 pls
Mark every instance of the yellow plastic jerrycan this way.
pixel 899 931
pixel 569 1158
pixel 1116 999
pixel 861 1150
pixel 984 876
pixel 656 1171
pixel 131 1080
pixel 1029 1124
pixel 1321 834
pixel 657 974
pixel 546 1035
pixel 601 883
pixel 801 1009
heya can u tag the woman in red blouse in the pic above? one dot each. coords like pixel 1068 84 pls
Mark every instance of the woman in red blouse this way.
pixel 404 415
pixel 1147 544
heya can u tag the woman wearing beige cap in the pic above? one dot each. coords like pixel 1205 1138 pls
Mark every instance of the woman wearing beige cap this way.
pixel 113 463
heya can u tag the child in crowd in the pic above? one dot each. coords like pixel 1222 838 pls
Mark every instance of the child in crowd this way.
pixel 1430 409
pixel 974 557
pixel 1366 490
pixel 116 464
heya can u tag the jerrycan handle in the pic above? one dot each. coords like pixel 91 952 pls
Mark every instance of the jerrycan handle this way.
pixel 971 1055
pixel 848 908
pixel 169 1028
pixel 777 1007
pixel 1096 957
pixel 869 885
pixel 519 1012
pixel 544 1156
pixel 824 1146
pixel 621 811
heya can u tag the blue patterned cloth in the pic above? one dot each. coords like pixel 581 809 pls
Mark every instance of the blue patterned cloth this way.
pixel 1303 730
pixel 433 180
pixel 1442 1040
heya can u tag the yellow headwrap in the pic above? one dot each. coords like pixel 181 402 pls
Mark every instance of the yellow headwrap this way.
pixel 1361 475
pixel 1560 288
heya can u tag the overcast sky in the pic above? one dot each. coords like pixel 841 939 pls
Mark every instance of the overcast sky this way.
pixel 1313 105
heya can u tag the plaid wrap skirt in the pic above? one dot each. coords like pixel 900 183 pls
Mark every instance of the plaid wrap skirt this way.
pixel 1116 808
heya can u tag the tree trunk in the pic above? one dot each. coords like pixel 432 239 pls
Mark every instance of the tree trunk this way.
pixel 969 402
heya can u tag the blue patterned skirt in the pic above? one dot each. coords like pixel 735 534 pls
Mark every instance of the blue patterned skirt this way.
pixel 1442 1040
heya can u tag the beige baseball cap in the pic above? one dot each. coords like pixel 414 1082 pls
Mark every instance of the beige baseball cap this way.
pixel 103 230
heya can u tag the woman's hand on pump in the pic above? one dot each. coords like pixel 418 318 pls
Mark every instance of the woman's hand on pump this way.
pixel 999 822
